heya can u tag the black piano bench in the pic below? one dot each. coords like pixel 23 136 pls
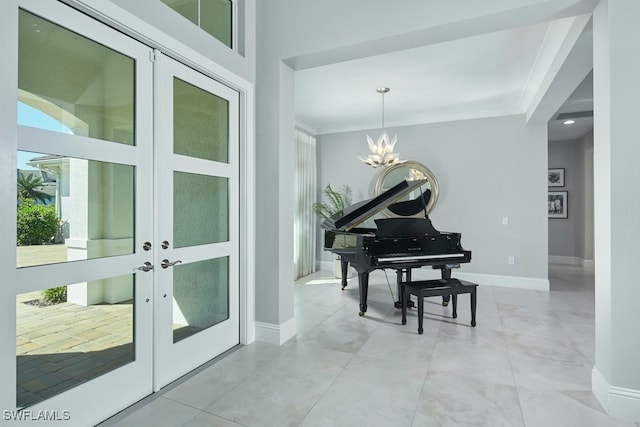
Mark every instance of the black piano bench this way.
pixel 436 288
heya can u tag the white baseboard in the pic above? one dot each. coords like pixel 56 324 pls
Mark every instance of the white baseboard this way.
pixel 617 401
pixel 276 334
pixel 571 260
pixel 487 279
pixel 481 279
pixel 516 282
pixel 566 260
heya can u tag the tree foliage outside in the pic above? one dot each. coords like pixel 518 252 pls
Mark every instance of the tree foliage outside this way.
pixel 37 224
pixel 30 187
pixel 335 201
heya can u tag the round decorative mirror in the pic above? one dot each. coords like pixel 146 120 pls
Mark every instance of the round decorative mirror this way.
pixel 408 170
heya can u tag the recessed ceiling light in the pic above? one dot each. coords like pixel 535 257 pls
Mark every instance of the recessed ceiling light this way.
pixel 569 122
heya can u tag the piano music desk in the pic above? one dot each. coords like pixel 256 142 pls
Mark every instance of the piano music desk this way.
pixel 439 287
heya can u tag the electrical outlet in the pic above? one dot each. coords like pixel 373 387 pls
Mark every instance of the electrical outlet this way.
pixel 505 220
pixel 511 260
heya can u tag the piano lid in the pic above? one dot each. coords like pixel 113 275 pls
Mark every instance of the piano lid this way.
pixel 360 212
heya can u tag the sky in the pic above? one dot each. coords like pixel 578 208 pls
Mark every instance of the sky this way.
pixel 29 116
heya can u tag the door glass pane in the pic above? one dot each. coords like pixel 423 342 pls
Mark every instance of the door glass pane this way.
pixel 200 296
pixel 83 85
pixel 200 123
pixel 72 209
pixel 213 16
pixel 200 209
pixel 216 19
pixel 67 335
pixel 186 8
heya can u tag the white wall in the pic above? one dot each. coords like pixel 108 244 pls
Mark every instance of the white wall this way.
pixel 572 238
pixel 616 375
pixel 487 169
pixel 274 180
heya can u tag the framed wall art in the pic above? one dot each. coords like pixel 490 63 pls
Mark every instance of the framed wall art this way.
pixel 557 204
pixel 556 177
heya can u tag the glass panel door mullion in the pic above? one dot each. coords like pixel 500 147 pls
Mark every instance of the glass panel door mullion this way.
pixel 38 140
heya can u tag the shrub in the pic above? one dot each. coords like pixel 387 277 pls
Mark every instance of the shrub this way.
pixel 54 295
pixel 37 224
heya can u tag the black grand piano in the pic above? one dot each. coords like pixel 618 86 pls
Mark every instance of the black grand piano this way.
pixel 400 243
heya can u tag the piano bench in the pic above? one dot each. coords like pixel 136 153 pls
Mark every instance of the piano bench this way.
pixel 434 288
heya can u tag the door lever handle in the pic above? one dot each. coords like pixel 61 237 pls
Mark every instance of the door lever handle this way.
pixel 147 266
pixel 166 263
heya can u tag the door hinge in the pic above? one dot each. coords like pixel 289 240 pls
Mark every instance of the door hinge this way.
pixel 152 56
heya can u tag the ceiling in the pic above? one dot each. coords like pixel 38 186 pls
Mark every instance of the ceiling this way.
pixel 486 75
pixel 579 108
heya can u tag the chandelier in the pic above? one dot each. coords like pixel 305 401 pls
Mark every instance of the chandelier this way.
pixel 382 151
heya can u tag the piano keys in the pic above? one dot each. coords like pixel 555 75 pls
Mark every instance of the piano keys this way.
pixel 400 243
pixel 450 257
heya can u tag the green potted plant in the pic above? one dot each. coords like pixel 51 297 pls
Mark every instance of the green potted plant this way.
pixel 335 202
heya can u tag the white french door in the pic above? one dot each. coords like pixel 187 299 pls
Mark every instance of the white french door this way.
pixel 197 200
pixel 133 159
pixel 84 167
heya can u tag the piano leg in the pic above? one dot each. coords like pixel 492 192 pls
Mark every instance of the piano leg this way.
pixel 398 304
pixel 399 279
pixel 446 275
pixel 473 307
pixel 363 286
pixel 344 266
pixel 405 300
pixel 420 314
pixel 454 300
pixel 410 303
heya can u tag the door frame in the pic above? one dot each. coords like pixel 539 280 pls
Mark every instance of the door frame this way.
pixel 113 16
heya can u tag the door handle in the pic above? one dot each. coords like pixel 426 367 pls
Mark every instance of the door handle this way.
pixel 147 266
pixel 166 263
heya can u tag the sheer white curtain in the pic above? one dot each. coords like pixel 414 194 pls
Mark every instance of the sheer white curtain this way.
pixel 304 219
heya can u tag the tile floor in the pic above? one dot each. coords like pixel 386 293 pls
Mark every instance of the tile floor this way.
pixel 527 363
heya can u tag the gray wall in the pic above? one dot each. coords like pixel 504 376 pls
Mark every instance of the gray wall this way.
pixel 487 169
pixel 573 237
pixel 589 241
